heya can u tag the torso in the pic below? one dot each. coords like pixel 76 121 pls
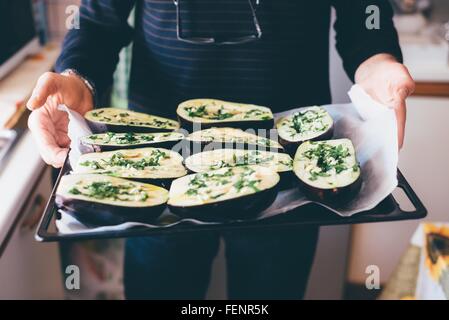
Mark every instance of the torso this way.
pixel 288 67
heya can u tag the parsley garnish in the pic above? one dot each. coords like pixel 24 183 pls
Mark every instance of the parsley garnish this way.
pixel 106 190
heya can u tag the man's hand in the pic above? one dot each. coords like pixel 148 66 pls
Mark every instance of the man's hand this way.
pixel 388 82
pixel 49 125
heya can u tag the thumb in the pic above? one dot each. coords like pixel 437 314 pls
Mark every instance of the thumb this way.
pixel 48 84
pixel 400 96
pixel 400 109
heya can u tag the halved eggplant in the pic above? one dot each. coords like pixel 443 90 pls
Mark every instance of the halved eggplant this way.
pixel 120 120
pixel 97 200
pixel 328 171
pixel 232 138
pixel 312 123
pixel 224 194
pixel 226 158
pixel 201 114
pixel 151 165
pixel 110 141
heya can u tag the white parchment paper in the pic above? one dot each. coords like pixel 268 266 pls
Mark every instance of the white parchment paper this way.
pixel 371 127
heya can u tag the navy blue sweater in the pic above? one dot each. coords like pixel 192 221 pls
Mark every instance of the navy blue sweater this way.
pixel 288 67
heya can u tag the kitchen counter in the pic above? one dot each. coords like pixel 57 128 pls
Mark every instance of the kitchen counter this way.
pixel 20 173
pixel 28 269
pixel 23 166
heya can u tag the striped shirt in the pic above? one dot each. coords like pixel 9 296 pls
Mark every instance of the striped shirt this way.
pixel 287 67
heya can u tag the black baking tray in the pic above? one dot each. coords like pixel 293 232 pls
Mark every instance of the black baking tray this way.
pixel 309 214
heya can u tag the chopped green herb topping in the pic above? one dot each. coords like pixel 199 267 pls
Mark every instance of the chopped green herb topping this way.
pixel 106 190
pixel 310 120
pixel 196 112
pixel 204 181
pixel 328 158
pixel 119 160
pixel 249 158
pixel 221 115
pixel 257 113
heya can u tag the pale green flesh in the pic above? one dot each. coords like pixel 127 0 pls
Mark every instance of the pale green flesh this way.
pixel 142 163
pixel 215 111
pixel 130 193
pixel 219 185
pixel 341 170
pixel 123 117
pixel 306 124
pixel 232 135
pixel 126 139
pixel 221 158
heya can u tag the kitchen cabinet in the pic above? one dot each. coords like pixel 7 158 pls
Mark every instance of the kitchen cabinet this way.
pixel 29 269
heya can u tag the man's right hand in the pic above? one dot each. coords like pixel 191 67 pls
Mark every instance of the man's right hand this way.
pixel 49 125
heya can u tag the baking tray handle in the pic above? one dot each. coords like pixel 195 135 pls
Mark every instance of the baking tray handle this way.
pixel 411 195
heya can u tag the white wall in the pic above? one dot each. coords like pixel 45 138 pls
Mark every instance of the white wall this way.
pixel 424 162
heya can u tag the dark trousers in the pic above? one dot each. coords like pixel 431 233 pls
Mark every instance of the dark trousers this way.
pixel 261 264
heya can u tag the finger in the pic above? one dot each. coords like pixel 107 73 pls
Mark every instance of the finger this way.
pixel 59 156
pixel 407 81
pixel 403 86
pixel 43 132
pixel 47 85
pixel 400 95
pixel 401 115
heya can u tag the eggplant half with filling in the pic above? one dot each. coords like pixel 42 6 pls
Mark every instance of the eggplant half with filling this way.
pixel 97 200
pixel 226 158
pixel 224 194
pixel 312 123
pixel 110 141
pixel 151 165
pixel 328 171
pixel 120 120
pixel 201 114
pixel 231 138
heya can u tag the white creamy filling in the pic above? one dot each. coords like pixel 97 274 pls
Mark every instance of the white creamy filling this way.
pixel 305 167
pixel 313 122
pixel 135 191
pixel 222 111
pixel 170 167
pixel 221 188
pixel 126 117
pixel 119 139
pixel 215 159
pixel 231 135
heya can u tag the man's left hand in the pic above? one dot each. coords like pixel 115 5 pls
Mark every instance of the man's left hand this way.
pixel 388 82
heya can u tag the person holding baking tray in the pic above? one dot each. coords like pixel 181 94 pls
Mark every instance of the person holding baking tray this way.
pixel 272 53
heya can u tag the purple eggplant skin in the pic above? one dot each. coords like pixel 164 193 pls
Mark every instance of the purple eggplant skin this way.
pixel 245 207
pixel 287 181
pixel 290 147
pixel 94 214
pixel 336 197
pixel 100 127
pixel 162 144
pixel 161 182
pixel 244 125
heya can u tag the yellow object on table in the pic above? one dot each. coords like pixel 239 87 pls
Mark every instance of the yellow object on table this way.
pixel 433 277
pixel 423 270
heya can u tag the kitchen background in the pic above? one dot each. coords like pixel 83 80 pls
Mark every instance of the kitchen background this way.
pixel 29 269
